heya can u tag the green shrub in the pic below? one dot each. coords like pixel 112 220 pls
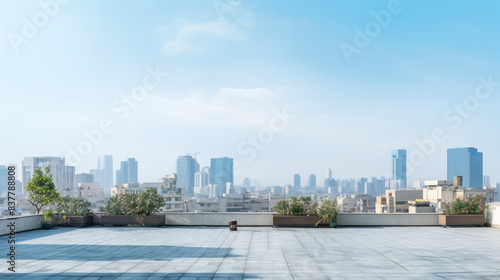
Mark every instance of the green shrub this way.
pixel 470 206
pixel 328 212
pixel 72 206
pixel 296 206
pixel 147 202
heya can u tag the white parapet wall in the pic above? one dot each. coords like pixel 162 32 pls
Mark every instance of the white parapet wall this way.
pixel 493 214
pixel 219 219
pixel 22 223
pixel 266 219
pixel 369 219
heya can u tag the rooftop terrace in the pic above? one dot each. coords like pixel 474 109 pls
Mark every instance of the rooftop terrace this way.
pixel 256 253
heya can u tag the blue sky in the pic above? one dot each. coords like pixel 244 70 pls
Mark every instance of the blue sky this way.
pixel 230 69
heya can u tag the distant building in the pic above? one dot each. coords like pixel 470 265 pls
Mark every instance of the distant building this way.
pixel 247 183
pixel 398 165
pixel 438 192
pixel 173 196
pixel 104 173
pixel 201 181
pixel 296 182
pixel 105 163
pixel 229 203
pixel 166 187
pixel 487 182
pixel 186 169
pixel 356 203
pixel 397 201
pixel 468 163
pixel 85 178
pixel 128 172
pixel 62 175
pixel 312 183
pixel 91 192
pixel 221 173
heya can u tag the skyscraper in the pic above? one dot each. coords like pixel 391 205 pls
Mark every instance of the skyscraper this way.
pixel 329 181
pixel 186 168
pixel 128 172
pixel 105 163
pixel 221 171
pixel 329 173
pixel 247 183
pixel 62 175
pixel 468 163
pixel 296 182
pixel 312 183
pixel 201 178
pixel 398 169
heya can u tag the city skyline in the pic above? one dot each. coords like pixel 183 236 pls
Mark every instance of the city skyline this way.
pixel 271 82
pixel 237 181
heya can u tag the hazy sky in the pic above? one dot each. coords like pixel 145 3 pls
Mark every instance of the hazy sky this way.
pixel 318 83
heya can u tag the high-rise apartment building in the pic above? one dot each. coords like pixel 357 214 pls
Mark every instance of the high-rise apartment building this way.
pixel 128 172
pixel 186 169
pixel 468 163
pixel 296 182
pixel 221 172
pixel 62 175
pixel 202 178
pixel 312 183
pixel 105 163
pixel 398 165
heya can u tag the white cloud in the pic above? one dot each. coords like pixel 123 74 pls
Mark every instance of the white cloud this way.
pixel 195 38
pixel 230 106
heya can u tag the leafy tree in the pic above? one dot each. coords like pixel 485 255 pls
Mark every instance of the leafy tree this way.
pixel 41 190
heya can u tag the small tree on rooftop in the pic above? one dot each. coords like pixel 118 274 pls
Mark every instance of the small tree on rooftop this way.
pixel 41 190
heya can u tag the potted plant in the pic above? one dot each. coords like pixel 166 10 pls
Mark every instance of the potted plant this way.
pixel 74 212
pixel 297 212
pixel 464 212
pixel 131 209
pixel 48 216
pixel 327 213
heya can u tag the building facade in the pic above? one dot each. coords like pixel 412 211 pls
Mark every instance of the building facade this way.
pixel 398 167
pixel 62 175
pixel 187 167
pixel 468 163
pixel 221 173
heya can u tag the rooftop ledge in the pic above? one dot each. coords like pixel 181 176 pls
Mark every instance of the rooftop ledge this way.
pixel 265 219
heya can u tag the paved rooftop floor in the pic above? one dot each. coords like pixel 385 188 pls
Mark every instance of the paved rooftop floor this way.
pixel 255 253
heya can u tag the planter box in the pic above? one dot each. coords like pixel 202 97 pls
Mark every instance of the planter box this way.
pixel 122 220
pixel 462 220
pixel 79 221
pixel 294 221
